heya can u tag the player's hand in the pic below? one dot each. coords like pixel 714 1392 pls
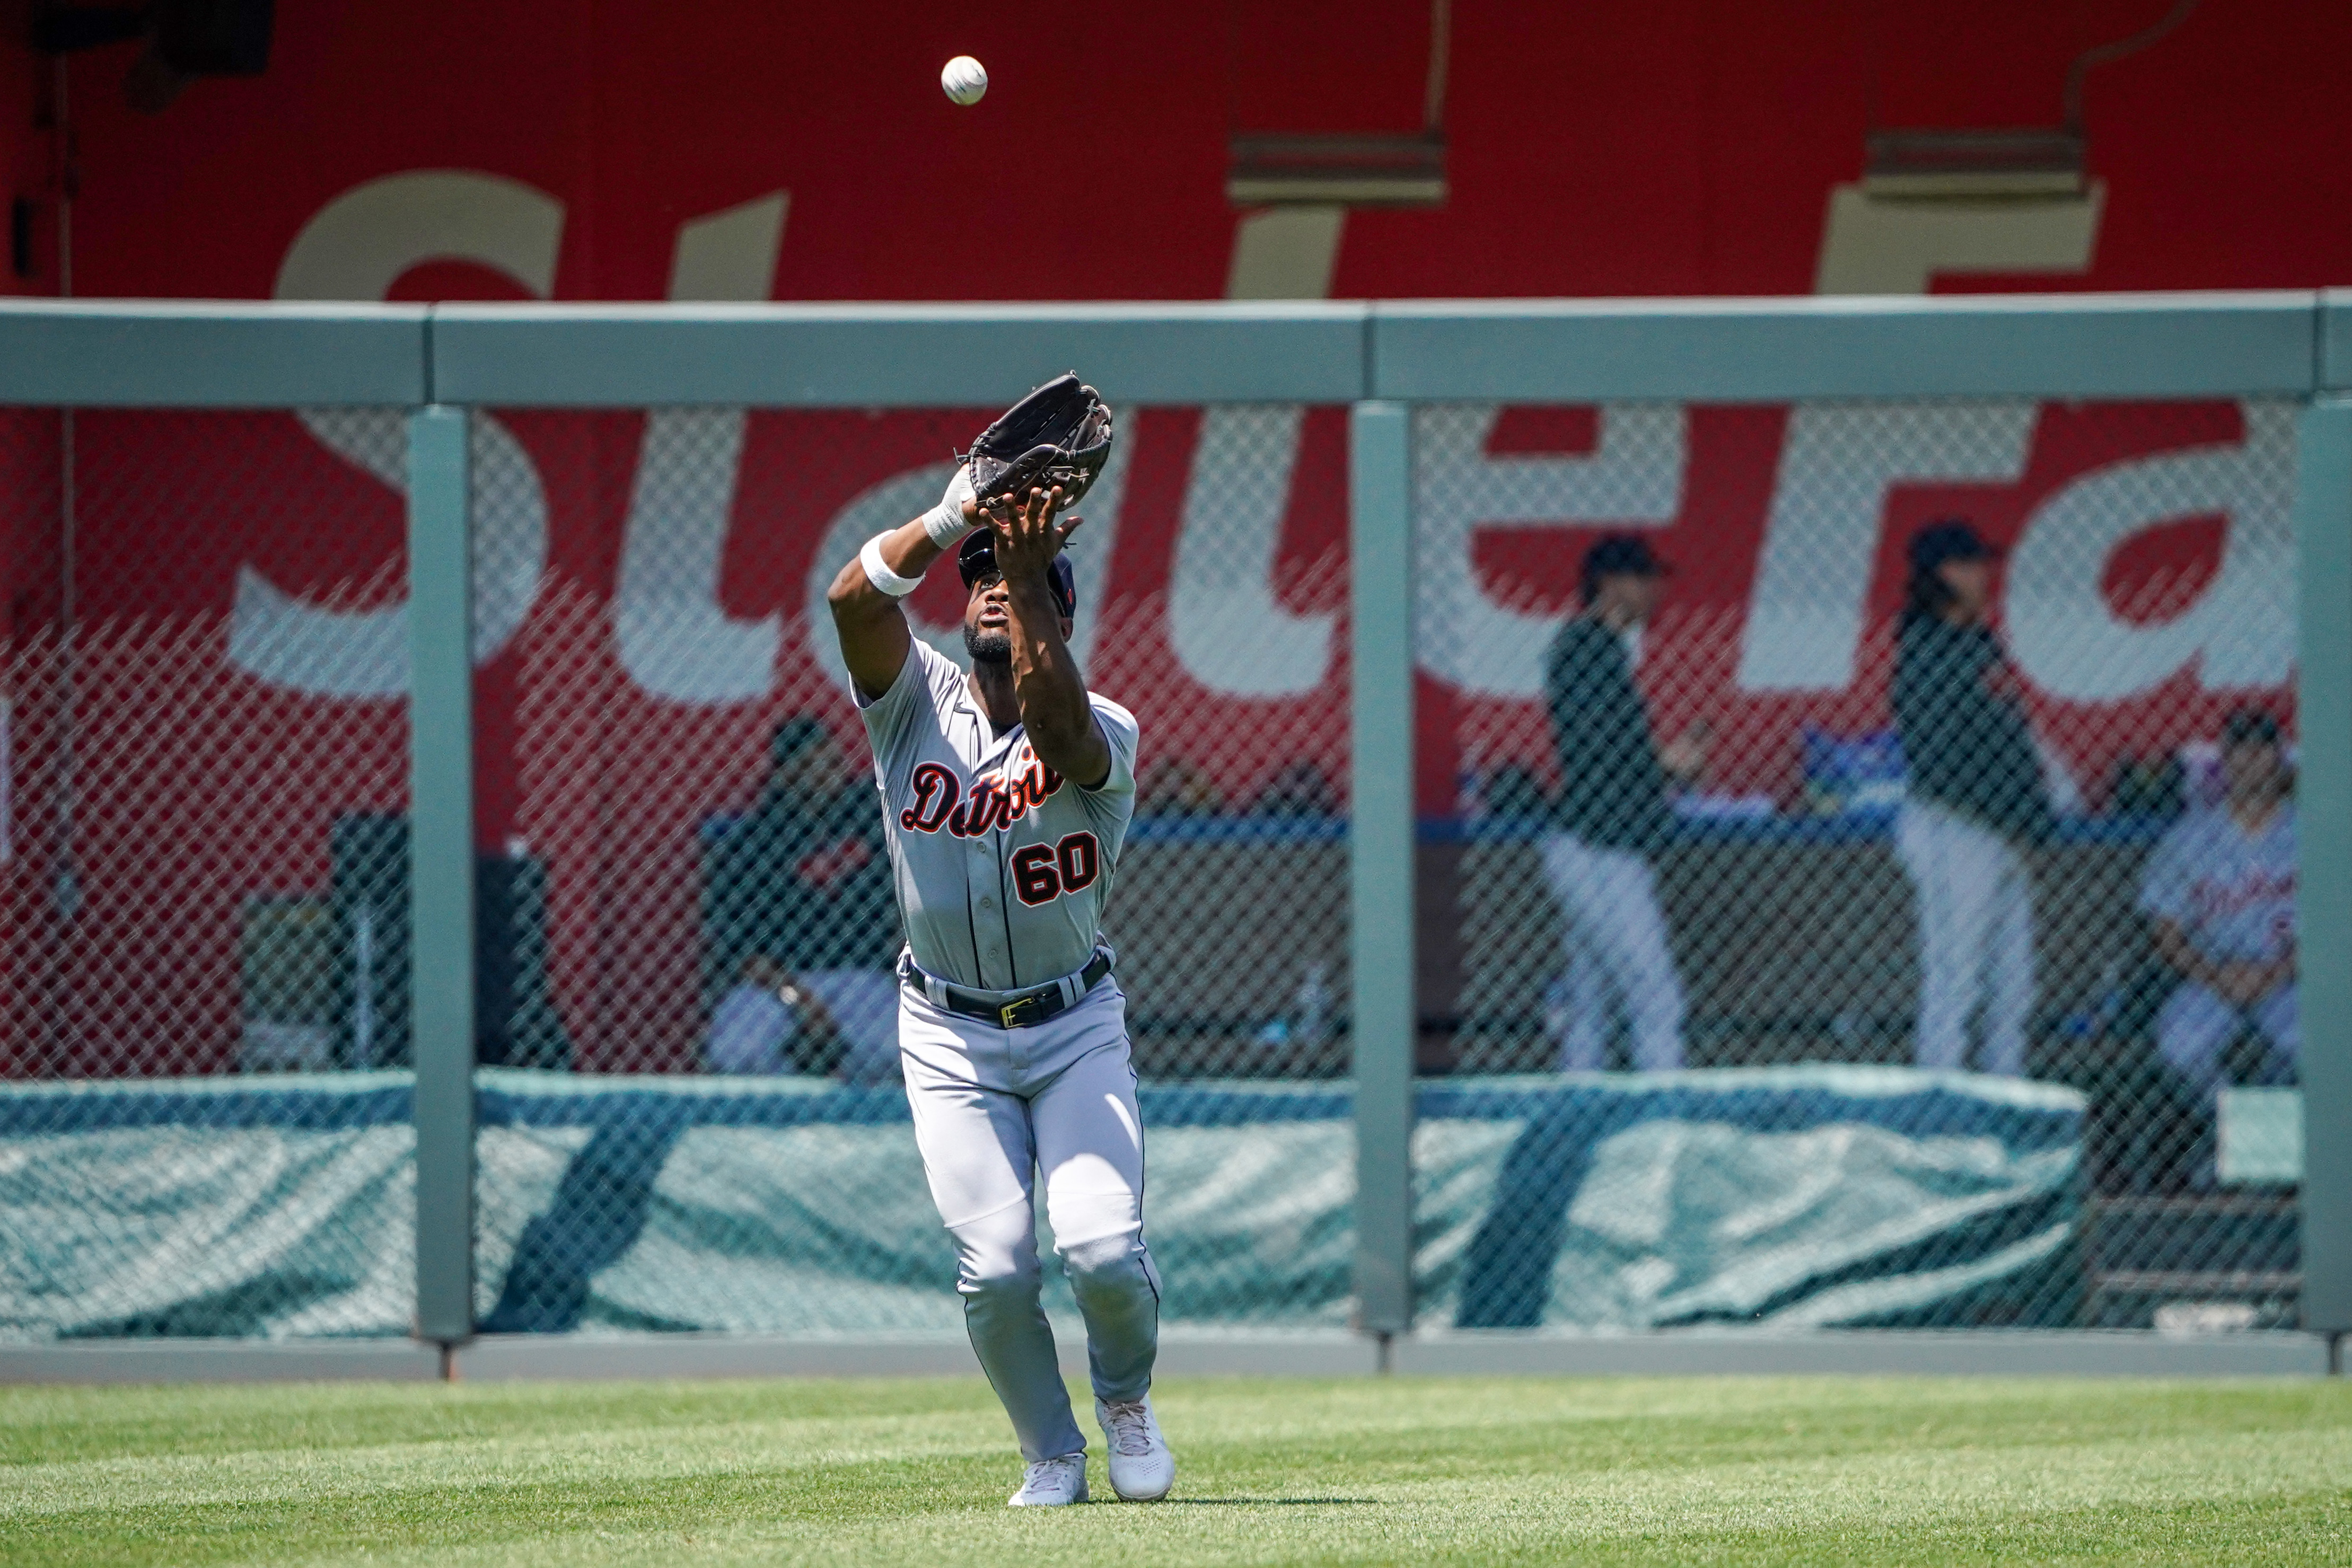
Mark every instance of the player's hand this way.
pixel 1685 756
pixel 814 1013
pixel 1028 536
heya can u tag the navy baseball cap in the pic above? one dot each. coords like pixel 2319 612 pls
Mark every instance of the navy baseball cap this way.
pixel 1618 555
pixel 1622 555
pixel 976 558
pixel 1947 539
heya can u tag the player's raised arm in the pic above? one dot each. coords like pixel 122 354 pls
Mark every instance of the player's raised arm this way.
pixel 875 637
pixel 1046 684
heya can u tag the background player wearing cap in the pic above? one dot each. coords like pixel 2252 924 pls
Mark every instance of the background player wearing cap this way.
pixel 1975 799
pixel 1613 815
pixel 1006 794
pixel 2219 894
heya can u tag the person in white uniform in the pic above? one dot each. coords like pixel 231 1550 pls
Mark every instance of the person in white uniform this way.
pixel 1975 800
pixel 1006 794
pixel 2218 894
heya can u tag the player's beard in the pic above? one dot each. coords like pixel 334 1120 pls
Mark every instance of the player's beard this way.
pixel 987 647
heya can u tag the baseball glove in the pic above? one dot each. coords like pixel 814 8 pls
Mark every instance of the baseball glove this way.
pixel 1058 434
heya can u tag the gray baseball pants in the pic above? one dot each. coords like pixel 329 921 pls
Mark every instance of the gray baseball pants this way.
pixel 994 1107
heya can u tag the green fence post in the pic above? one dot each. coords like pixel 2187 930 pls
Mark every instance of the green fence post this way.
pixel 2323 522
pixel 1380 857
pixel 441 866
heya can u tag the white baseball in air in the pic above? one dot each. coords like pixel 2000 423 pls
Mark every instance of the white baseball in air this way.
pixel 963 80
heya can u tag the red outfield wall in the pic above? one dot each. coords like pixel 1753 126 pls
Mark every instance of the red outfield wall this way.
pixel 576 153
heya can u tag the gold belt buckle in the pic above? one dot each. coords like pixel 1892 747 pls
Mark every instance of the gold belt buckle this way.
pixel 1006 1012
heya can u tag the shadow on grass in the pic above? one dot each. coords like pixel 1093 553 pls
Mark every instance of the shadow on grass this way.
pixel 1267 1502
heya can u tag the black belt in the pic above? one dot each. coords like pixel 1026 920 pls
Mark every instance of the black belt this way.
pixel 1030 1007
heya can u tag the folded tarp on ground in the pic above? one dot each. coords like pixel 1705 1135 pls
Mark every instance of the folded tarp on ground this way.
pixel 1807 1196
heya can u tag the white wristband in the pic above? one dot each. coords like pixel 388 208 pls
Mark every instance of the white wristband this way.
pixel 944 523
pixel 881 576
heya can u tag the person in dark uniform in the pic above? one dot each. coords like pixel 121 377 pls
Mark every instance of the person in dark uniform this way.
pixel 804 921
pixel 1613 815
pixel 1975 800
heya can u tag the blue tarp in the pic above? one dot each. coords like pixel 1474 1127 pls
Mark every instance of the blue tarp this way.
pixel 283 1207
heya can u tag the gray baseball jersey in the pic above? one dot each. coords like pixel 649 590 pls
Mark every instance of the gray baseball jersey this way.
pixel 1003 866
pixel 2232 894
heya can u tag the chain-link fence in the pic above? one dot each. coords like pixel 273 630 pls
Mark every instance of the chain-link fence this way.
pixel 198 858
pixel 1855 877
pixel 695 879
pixel 1874 905
pixel 210 851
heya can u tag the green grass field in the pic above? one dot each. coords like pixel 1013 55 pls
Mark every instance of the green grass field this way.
pixel 1405 1471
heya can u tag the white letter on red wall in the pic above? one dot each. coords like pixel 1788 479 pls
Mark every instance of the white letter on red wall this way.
pixel 673 638
pixel 1633 480
pixel 354 248
pixel 1228 628
pixel 1230 632
pixel 2067 637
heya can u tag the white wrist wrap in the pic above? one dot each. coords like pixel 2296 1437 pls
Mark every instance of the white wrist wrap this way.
pixel 944 523
pixel 945 527
pixel 881 576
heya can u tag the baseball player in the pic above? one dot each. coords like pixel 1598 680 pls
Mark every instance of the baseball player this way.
pixel 1612 815
pixel 2220 895
pixel 1006 794
pixel 1976 798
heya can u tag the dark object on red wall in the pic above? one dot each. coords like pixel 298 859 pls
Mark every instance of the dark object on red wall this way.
pixel 193 37
pixel 185 39
pixel 1346 170
pixel 20 236
pixel 1351 168
pixel 1916 162
pixel 214 37
pixel 63 29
